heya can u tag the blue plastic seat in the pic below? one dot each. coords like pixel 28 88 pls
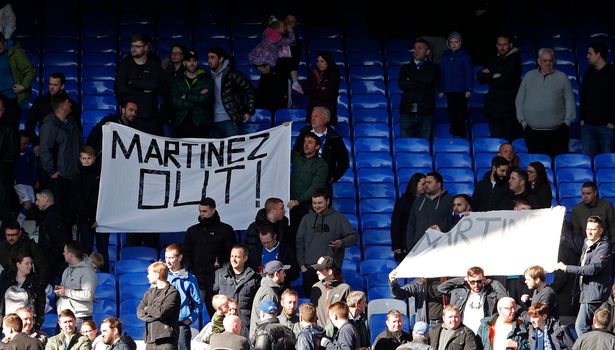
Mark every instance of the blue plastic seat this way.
pixel 98 73
pixel 378 293
pixel 483 160
pixel 132 279
pixel 105 279
pixel 451 145
pixel 123 266
pixel 370 266
pixel 604 160
pixel 287 115
pixel 456 188
pixel 480 130
pixel 105 306
pixel 570 202
pixel 376 205
pixel 50 322
pixel 104 59
pixel 98 45
pixel 350 266
pixel 377 190
pixel 250 128
pixel 371 130
pixel 487 145
pixel 370 115
pixel 368 101
pixel 353 278
pixel 398 58
pixel 106 102
pixel 106 291
pixel 378 252
pixel 133 291
pixel 605 175
pixel 526 158
pixel 607 190
pixel 378 280
pixel 457 175
pixel 97 87
pixel 129 306
pixel 142 253
pixel 574 175
pixel 94 116
pixel 413 160
pixel 452 160
pixel 345 205
pixel 368 87
pixel 261 116
pixel 375 221
pixel 363 45
pixel 571 160
pixel 373 160
pixel 404 175
pixel 569 189
pixel 365 59
pixel 375 175
pixel 372 144
pixel 411 145
pixel 344 190
pixel 519 145
pixel 377 323
pixel 352 253
pixel 348 177
pixel 376 237
pixel 329 44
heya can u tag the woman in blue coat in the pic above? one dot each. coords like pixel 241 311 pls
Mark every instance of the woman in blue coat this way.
pixel 456 78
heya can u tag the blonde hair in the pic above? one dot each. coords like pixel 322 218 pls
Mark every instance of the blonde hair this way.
pixel 161 269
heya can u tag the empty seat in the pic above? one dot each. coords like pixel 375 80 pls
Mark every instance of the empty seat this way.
pixel 98 73
pixel 378 252
pixel 370 115
pixel 133 291
pixel 572 160
pixel 353 278
pixel 487 145
pixel 483 160
pixel 105 279
pixel 97 87
pixel 106 291
pixel 376 205
pixel 370 266
pixel 375 221
pixel 411 145
pixel 94 116
pixel 453 160
pixel 456 188
pixel 480 130
pixel 457 175
pixel 106 102
pixel 286 115
pixel 413 160
pixel 261 116
pixel 371 130
pixel 570 202
pixel 142 253
pixel 345 205
pixel 569 189
pixel 131 265
pixel 376 237
pixel 368 101
pixel 369 87
pixel 604 175
pixel 372 144
pixel 105 306
pixel 453 145
pixel 378 293
pixel 382 306
pixel 373 160
pixel 607 190
pixel 377 190
pixel 526 158
pixel 352 253
pixel 574 175
pixel 604 160
pixel 344 190
pixel 366 73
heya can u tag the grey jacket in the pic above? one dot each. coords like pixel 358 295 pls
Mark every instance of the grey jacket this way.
pixel 59 148
pixel 316 231
pixel 81 282
pixel 594 340
pixel 268 290
pixel 596 272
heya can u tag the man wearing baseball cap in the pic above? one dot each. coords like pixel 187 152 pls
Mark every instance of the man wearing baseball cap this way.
pixel 268 330
pixel 270 289
pixel 328 290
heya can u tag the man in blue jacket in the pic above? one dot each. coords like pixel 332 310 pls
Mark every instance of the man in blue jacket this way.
pixel 188 288
pixel 594 273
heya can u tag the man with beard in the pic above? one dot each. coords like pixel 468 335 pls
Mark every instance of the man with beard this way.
pixel 139 77
pixel 490 191
pixel 207 247
pixel 129 110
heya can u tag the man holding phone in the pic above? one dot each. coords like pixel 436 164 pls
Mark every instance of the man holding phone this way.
pixel 322 232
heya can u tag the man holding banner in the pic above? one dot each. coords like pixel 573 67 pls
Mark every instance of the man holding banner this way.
pixel 474 295
pixel 594 273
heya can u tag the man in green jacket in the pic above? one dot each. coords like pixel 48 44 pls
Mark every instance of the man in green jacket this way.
pixel 68 338
pixel 192 99
pixel 16 78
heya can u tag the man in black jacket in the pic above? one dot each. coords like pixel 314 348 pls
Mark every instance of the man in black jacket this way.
pixel 272 249
pixel 234 97
pixel 129 110
pixel 139 77
pixel 207 247
pixel 9 152
pixel 16 243
pixel 53 232
pixel 503 74
pixel 111 334
pixel 418 80
pixel 518 186
pixel 594 271
pixel 270 333
pixel 159 308
pixel 332 147
pixel 42 108
pixel 490 191
pixel 272 215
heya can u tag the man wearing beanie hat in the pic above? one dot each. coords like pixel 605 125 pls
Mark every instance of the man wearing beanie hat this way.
pixel 234 95
pixel 207 247
pixel 270 289
pixel 192 97
pixel 269 333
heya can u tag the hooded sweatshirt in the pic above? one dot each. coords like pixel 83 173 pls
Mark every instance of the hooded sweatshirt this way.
pixel 80 280
pixel 188 289
pixel 317 230
pixel 426 212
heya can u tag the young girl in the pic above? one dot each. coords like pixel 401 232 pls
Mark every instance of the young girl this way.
pixel 273 44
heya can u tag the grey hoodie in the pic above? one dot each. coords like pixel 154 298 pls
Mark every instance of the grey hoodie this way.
pixel 80 280
pixel 316 231
pixel 268 290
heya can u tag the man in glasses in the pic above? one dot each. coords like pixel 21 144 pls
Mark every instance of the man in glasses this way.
pixel 475 295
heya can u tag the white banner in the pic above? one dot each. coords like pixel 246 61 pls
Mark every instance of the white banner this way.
pixel 154 184
pixel 501 242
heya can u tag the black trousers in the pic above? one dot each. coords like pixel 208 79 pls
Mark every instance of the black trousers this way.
pixel 552 142
pixel 457 113
pixel 504 128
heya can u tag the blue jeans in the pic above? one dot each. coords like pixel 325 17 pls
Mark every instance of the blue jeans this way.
pixel 416 125
pixel 183 343
pixel 597 139
pixel 585 317
pixel 224 129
